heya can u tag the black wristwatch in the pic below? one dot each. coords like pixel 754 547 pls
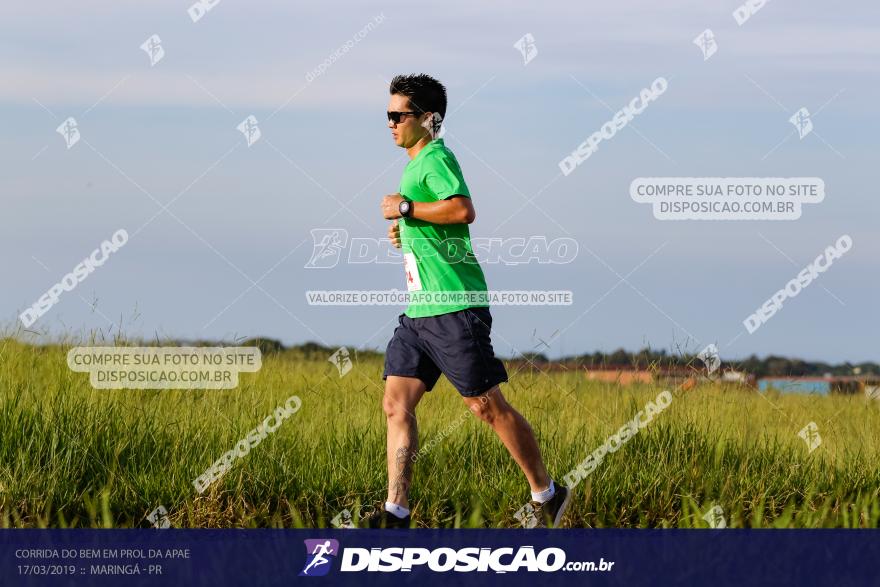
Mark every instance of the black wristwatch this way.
pixel 405 208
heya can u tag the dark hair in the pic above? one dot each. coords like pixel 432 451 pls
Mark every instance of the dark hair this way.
pixel 424 92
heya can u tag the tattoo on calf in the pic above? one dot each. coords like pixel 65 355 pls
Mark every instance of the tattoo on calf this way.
pixel 401 483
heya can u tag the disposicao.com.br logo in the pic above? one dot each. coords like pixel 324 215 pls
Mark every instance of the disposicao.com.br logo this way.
pixel 441 560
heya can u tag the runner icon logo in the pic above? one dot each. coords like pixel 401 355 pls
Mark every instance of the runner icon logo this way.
pixel 319 554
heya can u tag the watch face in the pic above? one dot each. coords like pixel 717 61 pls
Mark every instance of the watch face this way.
pixel 404 207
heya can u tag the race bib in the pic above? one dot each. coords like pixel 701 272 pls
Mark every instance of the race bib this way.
pixel 413 283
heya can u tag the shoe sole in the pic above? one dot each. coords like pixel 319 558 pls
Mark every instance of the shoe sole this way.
pixel 562 509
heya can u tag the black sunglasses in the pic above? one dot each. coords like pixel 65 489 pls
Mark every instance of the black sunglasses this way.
pixel 396 116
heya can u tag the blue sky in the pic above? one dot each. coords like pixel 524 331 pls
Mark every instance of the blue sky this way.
pixel 244 213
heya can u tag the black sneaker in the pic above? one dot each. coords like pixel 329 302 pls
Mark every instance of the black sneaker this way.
pixel 382 519
pixel 550 513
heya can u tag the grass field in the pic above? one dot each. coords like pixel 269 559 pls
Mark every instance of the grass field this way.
pixel 73 456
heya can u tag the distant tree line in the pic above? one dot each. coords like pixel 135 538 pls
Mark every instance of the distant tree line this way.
pixel 770 366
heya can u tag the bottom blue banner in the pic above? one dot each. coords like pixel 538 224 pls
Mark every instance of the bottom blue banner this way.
pixel 433 557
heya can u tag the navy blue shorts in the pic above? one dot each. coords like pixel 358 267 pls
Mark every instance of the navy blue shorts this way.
pixel 456 344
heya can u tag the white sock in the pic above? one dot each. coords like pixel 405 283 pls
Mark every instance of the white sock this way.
pixel 397 510
pixel 546 495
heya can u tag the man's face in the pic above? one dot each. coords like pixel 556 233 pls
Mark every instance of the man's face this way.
pixel 409 130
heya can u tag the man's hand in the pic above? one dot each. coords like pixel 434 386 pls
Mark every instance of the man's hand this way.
pixel 394 234
pixel 390 206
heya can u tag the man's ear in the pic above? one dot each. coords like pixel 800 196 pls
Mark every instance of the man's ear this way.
pixel 427 123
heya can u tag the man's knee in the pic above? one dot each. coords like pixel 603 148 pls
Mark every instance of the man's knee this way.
pixel 395 410
pixel 400 398
pixel 488 407
pixel 484 412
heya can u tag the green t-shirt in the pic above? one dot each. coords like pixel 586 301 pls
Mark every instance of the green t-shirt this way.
pixel 438 258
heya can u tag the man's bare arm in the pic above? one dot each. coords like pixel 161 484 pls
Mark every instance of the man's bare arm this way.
pixel 452 210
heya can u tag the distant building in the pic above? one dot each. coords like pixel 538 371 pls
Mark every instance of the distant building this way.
pixel 620 376
pixel 815 385
pixel 732 376
pixel 625 375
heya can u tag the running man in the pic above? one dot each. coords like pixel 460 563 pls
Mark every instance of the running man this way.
pixel 436 334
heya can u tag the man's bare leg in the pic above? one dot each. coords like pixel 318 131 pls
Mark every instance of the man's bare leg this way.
pixel 515 432
pixel 402 395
